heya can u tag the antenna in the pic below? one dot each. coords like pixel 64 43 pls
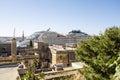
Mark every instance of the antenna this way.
pixel 23 33
pixel 23 36
pixel 14 33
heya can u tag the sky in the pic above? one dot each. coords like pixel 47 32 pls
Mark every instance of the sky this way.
pixel 62 16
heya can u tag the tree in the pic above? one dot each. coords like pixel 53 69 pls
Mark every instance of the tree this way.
pixel 30 74
pixel 31 71
pixel 37 63
pixel 41 76
pixel 101 54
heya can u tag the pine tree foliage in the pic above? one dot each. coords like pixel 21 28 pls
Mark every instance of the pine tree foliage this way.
pixel 101 54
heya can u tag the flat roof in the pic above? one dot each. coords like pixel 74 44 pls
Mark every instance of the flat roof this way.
pixel 60 48
pixel 8 72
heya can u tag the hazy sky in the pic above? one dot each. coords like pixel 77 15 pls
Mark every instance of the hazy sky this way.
pixel 62 16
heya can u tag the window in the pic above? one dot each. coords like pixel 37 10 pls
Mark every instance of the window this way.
pixel 61 57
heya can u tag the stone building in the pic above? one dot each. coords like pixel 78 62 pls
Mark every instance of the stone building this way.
pixel 13 50
pixel 73 37
pixel 64 55
pixel 5 49
pixel 5 46
pixel 43 50
pixel 42 46
pixel 51 37
pixel 17 53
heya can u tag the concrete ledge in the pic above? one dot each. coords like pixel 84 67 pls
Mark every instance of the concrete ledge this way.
pixel 7 65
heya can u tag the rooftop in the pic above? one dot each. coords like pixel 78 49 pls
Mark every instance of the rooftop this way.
pixel 61 48
pixel 8 72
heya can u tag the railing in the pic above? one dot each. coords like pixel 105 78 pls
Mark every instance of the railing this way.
pixel 52 74
pixel 9 59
